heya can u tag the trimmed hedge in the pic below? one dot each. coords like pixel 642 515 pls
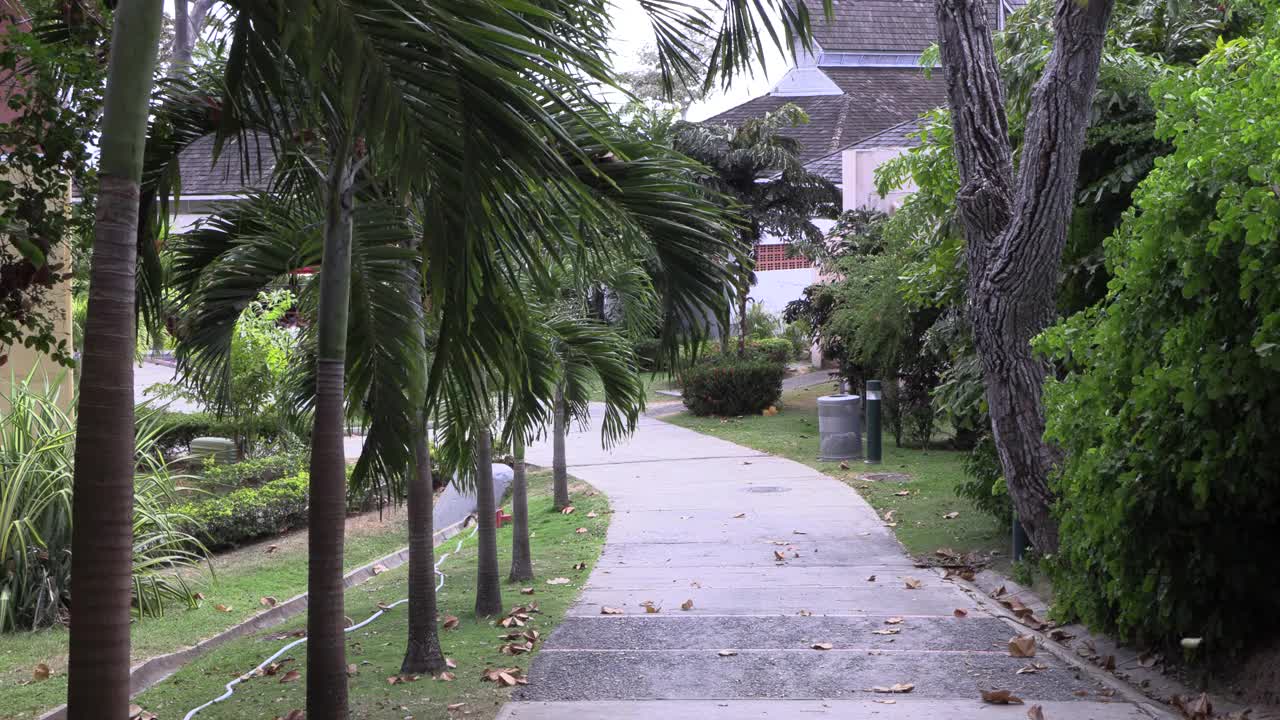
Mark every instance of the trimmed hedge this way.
pixel 178 429
pixel 248 513
pixel 729 385
pixel 255 472
pixel 775 349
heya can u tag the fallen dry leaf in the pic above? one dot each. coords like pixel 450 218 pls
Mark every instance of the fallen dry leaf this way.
pixel 1032 669
pixel 581 531
pixel 1199 708
pixel 526 591
pixel 805 613
pixel 739 516
pixel 445 676
pixel 885 701
pixel 384 606
pixel 871 578
pixel 454 706
pixel 592 514
pixel 844 465
pixel 610 611
pixel 895 688
pixel 649 607
pixel 886 631
pixel 1022 646
pixel 888 516
pixel 268 601
pixel 568 510
pixel 893 621
pixel 294 714
pixel 903 493
pixel 379 569
pixel 960 612
pixel 821 646
pixel 1060 635
pixel 1035 712
pixel 1001 697
pixel 779 556
pixel 40 673
pixel 951 516
pixel 580 566
pixel 450 622
pixel 1109 662
pixel 290 676
pixel 222 608
pixel 687 604
pixel 353 670
pixel 912 583
pixel 449 663
pixel 558 581
pixel 728 653
pixel 271 548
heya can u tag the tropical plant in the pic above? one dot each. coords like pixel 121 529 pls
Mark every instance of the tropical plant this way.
pixel 759 166
pixel 730 385
pixel 37 440
pixel 1166 415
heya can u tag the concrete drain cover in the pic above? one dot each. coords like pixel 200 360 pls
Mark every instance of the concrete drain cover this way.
pixel 766 489
pixel 887 477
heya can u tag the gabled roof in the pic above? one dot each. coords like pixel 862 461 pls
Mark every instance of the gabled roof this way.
pixel 901 26
pixel 902 135
pixel 874 99
pixel 238 167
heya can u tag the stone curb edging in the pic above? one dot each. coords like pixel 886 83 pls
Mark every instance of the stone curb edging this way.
pixel 153 670
pixel 1124 689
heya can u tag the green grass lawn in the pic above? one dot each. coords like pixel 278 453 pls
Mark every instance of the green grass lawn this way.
pixel 653 382
pixel 921 526
pixel 378 648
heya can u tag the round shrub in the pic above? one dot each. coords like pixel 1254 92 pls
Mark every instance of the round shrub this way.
pixel 729 385
pixel 777 350
pixel 1170 502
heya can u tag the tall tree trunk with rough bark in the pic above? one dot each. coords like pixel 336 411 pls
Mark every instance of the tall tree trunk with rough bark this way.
pixel 188 20
pixel 1016 227
pixel 488 581
pixel 102 501
pixel 559 466
pixel 521 554
pixel 422 654
pixel 326 642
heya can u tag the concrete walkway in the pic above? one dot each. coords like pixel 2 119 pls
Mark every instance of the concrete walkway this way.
pixel 807 562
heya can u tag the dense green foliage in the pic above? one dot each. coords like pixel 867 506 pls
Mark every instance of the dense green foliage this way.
pixel 778 350
pixel 176 430
pixel 732 385
pixel 37 451
pixel 255 471
pixel 248 513
pixel 1168 417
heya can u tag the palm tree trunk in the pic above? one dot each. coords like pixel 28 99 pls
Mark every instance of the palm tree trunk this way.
pixel 559 468
pixel 742 319
pixel 423 654
pixel 326 642
pixel 102 502
pixel 488 584
pixel 521 554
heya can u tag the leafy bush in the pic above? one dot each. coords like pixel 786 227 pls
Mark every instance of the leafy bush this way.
pixel 37 452
pixel 761 324
pixel 728 385
pixel 776 350
pixel 1169 495
pixel 984 484
pixel 176 430
pixel 249 513
pixel 648 353
pixel 258 471
pixel 800 335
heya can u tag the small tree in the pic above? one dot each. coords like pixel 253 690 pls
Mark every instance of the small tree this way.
pixel 759 166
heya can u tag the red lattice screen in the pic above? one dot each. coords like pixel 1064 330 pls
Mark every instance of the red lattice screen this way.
pixel 774 257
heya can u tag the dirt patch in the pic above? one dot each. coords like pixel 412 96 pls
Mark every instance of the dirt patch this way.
pixel 1258 679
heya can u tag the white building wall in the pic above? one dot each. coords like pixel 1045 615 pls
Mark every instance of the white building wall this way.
pixel 859 170
pixel 775 288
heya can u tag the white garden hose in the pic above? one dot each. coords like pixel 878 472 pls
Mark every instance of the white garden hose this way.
pixel 231 685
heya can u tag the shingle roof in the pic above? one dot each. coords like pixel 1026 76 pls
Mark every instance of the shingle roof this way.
pixel 238 168
pixel 904 26
pixel 874 99
pixel 902 135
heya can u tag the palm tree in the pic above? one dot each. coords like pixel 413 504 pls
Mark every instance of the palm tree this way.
pixel 521 553
pixel 760 167
pixel 488 586
pixel 102 511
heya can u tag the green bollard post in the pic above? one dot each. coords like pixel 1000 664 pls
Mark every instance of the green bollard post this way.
pixel 873 422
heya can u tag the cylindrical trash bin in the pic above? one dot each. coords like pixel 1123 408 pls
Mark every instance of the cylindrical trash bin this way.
pixel 839 427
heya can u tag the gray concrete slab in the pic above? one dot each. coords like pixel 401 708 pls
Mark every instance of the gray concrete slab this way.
pixel 900 707
pixel 697 518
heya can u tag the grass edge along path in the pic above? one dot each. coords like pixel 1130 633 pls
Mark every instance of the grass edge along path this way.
pixel 919 517
pixel 560 553
pixel 233 593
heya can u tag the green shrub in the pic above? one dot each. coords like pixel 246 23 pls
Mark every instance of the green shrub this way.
pixel 728 385
pixel 258 471
pixel 177 429
pixel 648 354
pixel 984 484
pixel 761 324
pixel 1169 496
pixel 249 513
pixel 776 350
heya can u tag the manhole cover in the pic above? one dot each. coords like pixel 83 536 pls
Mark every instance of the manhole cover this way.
pixel 887 477
pixel 766 489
